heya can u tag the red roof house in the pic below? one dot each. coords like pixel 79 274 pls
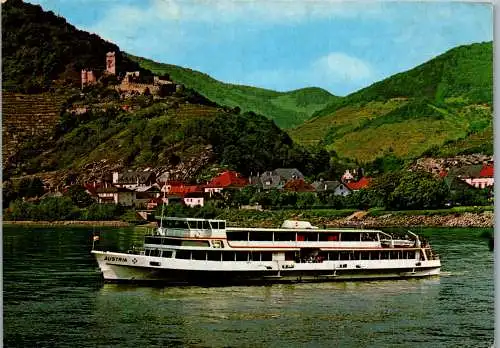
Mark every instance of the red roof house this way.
pixel 298 185
pixel 486 171
pixel 228 179
pixel 183 189
pixel 362 183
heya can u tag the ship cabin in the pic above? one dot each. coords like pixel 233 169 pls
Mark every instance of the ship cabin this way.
pixel 212 240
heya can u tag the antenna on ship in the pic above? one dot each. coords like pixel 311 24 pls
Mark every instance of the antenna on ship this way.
pixel 163 206
pixel 162 210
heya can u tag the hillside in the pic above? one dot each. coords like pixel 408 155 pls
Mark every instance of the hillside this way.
pixel 67 132
pixel 22 120
pixel 171 133
pixel 287 109
pixel 42 52
pixel 445 101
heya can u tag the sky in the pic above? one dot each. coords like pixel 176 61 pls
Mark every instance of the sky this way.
pixel 284 44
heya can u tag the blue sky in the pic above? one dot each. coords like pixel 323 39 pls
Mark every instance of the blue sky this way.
pixel 284 44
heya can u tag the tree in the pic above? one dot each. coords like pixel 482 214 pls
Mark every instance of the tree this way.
pixel 306 200
pixel 98 212
pixel 31 187
pixel 79 196
pixel 9 194
pixel 56 208
pixel 419 190
pixel 383 187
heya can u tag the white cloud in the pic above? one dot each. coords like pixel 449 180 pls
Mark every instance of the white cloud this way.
pixel 343 67
pixel 247 10
pixel 337 72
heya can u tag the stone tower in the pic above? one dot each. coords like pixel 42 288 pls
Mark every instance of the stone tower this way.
pixel 84 77
pixel 111 63
pixel 88 77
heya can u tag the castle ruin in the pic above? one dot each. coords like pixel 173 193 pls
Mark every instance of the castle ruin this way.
pixel 111 63
pixel 133 82
pixel 88 77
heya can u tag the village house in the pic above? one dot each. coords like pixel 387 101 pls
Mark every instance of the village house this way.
pixel 355 180
pixel 116 195
pixel 482 178
pixel 266 181
pixel 143 194
pixel 226 180
pixel 362 183
pixel 335 187
pixel 194 199
pixel 276 179
pixel 134 179
pixel 179 188
pixel 298 185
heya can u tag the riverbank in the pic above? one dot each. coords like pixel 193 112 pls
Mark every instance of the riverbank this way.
pixel 71 223
pixel 466 220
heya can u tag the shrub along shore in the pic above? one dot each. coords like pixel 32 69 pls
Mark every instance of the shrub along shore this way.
pixel 321 219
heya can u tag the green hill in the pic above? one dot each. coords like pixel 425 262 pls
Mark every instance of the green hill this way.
pixel 99 130
pixel 445 101
pixel 42 52
pixel 287 109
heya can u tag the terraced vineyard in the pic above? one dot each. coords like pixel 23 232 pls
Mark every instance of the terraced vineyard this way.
pixel 342 121
pixel 25 116
pixel 287 109
pixel 440 107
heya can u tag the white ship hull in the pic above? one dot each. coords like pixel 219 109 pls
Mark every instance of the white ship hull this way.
pixel 120 267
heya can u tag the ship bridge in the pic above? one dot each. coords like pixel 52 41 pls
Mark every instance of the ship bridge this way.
pixel 191 227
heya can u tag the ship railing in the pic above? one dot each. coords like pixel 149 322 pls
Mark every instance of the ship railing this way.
pixel 198 233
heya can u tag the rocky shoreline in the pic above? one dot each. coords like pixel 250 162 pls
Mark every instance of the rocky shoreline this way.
pixel 465 220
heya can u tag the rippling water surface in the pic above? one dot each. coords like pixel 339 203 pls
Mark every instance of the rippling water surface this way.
pixel 53 297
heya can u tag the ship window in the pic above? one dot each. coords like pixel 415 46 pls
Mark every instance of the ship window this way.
pixel 237 235
pixel 155 253
pixel 394 255
pixel 365 255
pixel 328 237
pixel 343 255
pixel 308 237
pixel 183 254
pixel 333 255
pixel 222 225
pixel 167 253
pixel 169 241
pixel 195 243
pixel 266 256
pixel 350 237
pixel 241 256
pixel 152 240
pixel 228 256
pixel 206 225
pixel 146 252
pixel 284 236
pixel 214 255
pixel 261 236
pixel 411 254
pixel 384 255
pixel 176 224
pixel 198 255
pixel 365 236
pixel 356 255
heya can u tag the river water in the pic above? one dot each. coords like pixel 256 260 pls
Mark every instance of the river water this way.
pixel 53 297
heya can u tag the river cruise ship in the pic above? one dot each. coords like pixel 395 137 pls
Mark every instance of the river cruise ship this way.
pixel 194 251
